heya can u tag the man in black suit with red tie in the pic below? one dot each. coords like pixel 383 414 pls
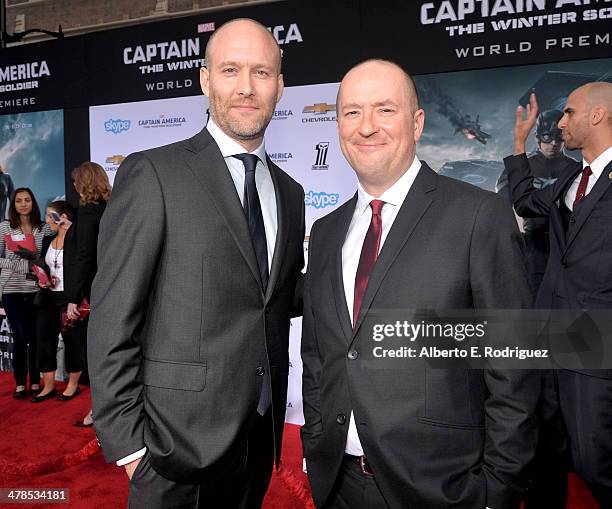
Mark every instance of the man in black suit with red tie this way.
pixel 377 437
pixel 579 270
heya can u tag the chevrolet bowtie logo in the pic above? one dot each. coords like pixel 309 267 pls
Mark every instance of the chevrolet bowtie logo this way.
pixel 319 108
pixel 117 159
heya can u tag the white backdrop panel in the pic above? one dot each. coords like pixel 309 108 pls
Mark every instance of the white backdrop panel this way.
pixel 117 130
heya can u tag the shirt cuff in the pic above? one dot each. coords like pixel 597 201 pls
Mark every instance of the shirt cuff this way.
pixel 132 457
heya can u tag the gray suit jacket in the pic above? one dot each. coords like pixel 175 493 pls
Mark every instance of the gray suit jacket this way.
pixel 435 438
pixel 180 327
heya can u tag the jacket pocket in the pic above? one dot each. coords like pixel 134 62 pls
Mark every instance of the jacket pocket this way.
pixel 454 398
pixel 451 425
pixel 185 376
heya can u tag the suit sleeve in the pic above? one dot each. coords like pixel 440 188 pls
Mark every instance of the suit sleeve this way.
pixel 499 281
pixel 129 245
pixel 528 201
pixel 311 362
pixel 85 259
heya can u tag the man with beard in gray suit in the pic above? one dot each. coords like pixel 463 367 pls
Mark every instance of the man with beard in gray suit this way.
pixel 200 250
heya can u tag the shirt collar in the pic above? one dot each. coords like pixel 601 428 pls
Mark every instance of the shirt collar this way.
pixel 230 147
pixel 600 162
pixel 395 195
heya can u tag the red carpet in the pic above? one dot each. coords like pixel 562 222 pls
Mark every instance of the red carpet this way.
pixel 39 448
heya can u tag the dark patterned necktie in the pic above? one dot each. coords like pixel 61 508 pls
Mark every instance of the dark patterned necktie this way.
pixel 368 257
pixel 252 209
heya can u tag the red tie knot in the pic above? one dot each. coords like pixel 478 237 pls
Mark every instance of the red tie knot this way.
pixel 377 206
pixel 587 172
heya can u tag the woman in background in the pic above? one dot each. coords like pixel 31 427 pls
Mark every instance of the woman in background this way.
pixel 92 184
pixel 52 304
pixel 19 287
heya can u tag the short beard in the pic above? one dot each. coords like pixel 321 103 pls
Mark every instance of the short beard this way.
pixel 246 132
pixel 236 129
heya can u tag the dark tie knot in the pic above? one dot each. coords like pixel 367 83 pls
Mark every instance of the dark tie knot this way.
pixel 249 161
pixel 587 172
pixel 376 206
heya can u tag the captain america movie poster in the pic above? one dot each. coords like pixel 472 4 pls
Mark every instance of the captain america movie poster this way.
pixel 470 115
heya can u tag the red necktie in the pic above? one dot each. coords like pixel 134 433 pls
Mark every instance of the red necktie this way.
pixel 582 186
pixel 369 254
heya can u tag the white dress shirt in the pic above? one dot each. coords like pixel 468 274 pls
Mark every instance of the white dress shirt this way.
pixel 597 167
pixel 267 199
pixel 351 251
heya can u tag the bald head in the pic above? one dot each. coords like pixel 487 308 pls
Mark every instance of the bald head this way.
pixel 243 27
pixel 379 123
pixel 597 95
pixel 587 119
pixel 242 80
pixel 379 65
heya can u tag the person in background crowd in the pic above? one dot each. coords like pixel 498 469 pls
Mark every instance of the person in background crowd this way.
pixel 546 163
pixel 80 257
pixel 19 288
pixel 7 190
pixel 579 270
pixel 548 486
pixel 52 304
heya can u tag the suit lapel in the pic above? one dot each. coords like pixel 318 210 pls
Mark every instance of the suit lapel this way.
pixel 565 182
pixel 209 168
pixel 282 233
pixel 584 209
pixel 411 212
pixel 344 221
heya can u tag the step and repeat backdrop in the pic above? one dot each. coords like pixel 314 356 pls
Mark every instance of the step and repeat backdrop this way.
pixel 105 95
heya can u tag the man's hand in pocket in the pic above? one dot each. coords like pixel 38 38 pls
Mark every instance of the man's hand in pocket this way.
pixel 130 468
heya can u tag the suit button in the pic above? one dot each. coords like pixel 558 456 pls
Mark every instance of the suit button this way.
pixel 340 419
pixel 572 220
pixel 353 354
pixel 260 371
pixel 564 265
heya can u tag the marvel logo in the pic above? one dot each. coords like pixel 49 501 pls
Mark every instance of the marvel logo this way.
pixel 206 27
